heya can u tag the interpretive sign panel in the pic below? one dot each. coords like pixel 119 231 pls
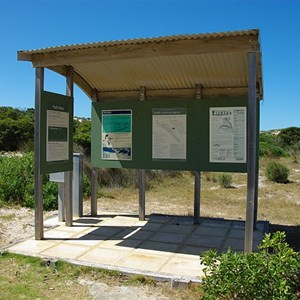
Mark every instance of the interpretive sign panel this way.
pixel 117 134
pixel 56 134
pixel 228 134
pixel 169 133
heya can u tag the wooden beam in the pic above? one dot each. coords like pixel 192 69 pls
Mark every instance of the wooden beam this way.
pixel 78 80
pixel 173 94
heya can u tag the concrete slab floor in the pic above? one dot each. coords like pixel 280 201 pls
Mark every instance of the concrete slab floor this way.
pixel 162 246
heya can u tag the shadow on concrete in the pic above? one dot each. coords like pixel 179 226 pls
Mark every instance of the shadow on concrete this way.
pixel 169 233
pixel 292 234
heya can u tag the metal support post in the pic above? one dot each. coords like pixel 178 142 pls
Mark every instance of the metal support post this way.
pixel 197 190
pixel 69 174
pixel 94 184
pixel 251 153
pixel 257 167
pixel 38 178
pixel 68 197
pixel 61 206
pixel 77 184
pixel 142 191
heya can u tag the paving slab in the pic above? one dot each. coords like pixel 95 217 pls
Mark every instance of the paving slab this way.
pixel 162 246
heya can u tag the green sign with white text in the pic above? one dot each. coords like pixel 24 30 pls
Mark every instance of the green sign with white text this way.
pixel 56 129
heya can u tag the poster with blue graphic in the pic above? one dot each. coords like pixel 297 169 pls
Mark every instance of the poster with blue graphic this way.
pixel 116 134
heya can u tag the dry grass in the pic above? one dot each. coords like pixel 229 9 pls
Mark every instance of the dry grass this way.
pixel 278 203
pixel 24 277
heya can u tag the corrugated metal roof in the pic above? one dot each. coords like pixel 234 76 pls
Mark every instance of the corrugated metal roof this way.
pixel 168 66
pixel 137 41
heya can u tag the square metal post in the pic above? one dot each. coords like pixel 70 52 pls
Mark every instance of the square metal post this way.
pixel 61 202
pixel 257 166
pixel 77 184
pixel 142 193
pixel 38 178
pixel 251 153
pixel 94 184
pixel 69 174
pixel 197 191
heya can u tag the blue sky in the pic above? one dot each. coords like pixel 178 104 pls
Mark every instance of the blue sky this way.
pixel 26 25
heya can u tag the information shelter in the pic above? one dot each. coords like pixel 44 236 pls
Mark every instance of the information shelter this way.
pixel 186 102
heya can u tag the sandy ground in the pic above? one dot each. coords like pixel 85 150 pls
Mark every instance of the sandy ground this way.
pixel 17 224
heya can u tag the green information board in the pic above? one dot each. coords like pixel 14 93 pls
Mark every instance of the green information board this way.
pixel 198 135
pixel 56 129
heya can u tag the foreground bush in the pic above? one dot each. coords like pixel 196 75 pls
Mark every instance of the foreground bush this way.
pixel 277 172
pixel 272 273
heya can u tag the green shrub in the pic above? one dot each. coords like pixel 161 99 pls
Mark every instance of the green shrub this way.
pixel 271 150
pixel 271 273
pixel 17 183
pixel 225 180
pixel 295 151
pixel 277 172
pixel 289 136
pixel 12 181
pixel 87 188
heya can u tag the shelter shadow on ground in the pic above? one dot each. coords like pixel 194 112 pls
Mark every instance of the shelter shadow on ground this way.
pixel 292 234
pixel 162 246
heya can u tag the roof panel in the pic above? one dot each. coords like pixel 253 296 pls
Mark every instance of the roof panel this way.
pixel 222 70
pixel 217 61
pixel 137 41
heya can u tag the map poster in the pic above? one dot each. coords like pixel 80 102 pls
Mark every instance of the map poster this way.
pixel 228 134
pixel 116 134
pixel 169 133
pixel 57 134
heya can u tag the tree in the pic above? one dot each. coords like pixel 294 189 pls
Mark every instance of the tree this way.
pixel 82 136
pixel 289 136
pixel 16 129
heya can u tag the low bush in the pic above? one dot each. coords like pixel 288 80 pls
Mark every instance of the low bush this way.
pixel 271 273
pixel 277 172
pixel 225 180
pixel 12 180
pixel 270 150
pixel 17 183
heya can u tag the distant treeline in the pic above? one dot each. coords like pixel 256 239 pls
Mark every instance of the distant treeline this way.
pixel 17 133
pixel 16 129
pixel 284 142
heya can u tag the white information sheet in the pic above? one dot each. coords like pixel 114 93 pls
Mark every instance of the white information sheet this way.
pixel 228 134
pixel 169 133
pixel 57 135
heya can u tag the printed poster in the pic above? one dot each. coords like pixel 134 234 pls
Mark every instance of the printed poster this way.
pixel 169 133
pixel 116 134
pixel 228 134
pixel 57 135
